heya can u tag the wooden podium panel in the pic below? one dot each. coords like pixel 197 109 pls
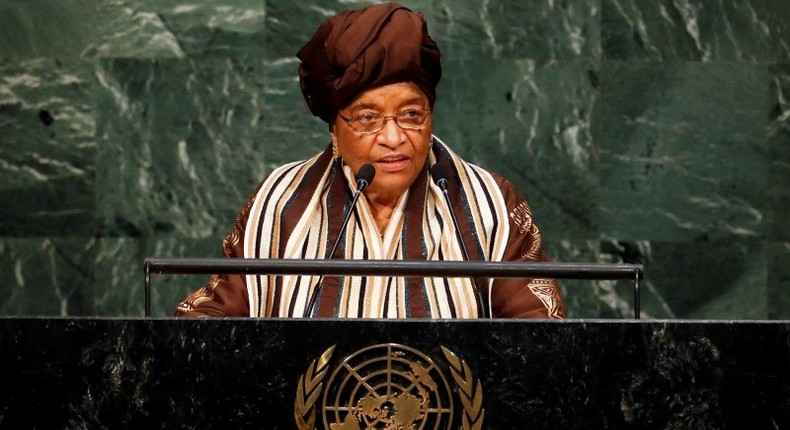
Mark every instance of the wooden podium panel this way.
pixel 343 374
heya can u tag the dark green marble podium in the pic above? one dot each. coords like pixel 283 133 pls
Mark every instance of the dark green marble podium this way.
pixel 503 374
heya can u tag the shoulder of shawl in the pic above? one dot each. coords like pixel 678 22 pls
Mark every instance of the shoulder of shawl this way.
pixel 231 242
pixel 521 218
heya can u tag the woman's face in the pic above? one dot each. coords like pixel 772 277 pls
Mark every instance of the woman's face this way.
pixel 397 154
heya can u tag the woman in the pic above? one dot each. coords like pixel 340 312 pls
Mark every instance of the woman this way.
pixel 371 75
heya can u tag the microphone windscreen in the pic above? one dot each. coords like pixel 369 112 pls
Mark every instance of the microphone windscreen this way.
pixel 365 174
pixel 439 173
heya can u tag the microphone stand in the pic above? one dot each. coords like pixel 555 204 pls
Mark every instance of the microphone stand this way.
pixel 364 178
pixel 439 174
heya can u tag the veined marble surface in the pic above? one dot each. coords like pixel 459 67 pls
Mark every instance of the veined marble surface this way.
pixel 244 373
pixel 650 132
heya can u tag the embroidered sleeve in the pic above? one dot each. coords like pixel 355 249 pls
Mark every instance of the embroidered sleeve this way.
pixel 524 298
pixel 522 217
pixel 548 292
pixel 204 294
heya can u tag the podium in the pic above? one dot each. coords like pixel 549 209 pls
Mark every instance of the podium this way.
pixel 447 374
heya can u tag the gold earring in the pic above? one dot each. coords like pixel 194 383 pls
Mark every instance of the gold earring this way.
pixel 335 151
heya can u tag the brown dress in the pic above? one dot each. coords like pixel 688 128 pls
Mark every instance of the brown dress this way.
pixel 505 234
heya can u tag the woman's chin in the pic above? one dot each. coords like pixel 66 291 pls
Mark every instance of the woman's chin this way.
pixel 390 185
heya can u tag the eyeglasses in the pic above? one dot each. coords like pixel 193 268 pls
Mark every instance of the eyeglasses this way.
pixel 373 122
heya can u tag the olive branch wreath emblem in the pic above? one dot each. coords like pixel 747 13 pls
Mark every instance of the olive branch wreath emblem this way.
pixel 311 384
pixel 471 395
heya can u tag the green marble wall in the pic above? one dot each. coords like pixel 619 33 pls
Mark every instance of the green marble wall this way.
pixel 652 132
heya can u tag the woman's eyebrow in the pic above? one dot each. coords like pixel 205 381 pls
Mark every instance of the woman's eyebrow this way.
pixel 364 106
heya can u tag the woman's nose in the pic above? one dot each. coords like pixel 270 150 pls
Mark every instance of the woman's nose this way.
pixel 391 134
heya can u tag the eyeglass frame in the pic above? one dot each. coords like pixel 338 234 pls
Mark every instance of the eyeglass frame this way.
pixel 384 120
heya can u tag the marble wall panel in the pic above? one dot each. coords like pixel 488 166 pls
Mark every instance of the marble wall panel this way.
pixel 779 191
pixel 683 150
pixel 779 280
pixel 176 28
pixel 47 130
pixel 290 24
pixel 291 132
pixel 182 145
pixel 780 28
pixel 650 132
pixel 779 152
pixel 695 280
pixel 708 279
pixel 696 30
pixel 532 124
pixel 544 31
pixel 605 299
pixel 120 275
pixel 75 276
pixel 43 28
pixel 47 276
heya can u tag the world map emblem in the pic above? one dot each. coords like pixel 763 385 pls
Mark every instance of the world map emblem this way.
pixel 390 387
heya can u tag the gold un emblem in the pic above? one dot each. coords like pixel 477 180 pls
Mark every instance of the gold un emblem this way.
pixel 390 387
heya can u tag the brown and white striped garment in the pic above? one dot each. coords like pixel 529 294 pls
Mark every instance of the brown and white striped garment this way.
pixel 297 213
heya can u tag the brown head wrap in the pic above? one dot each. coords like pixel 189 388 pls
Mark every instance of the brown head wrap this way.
pixel 357 50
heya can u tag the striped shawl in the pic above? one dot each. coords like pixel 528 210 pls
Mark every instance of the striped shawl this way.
pixel 299 209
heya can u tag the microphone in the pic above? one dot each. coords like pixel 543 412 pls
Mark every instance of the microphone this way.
pixel 364 178
pixel 440 176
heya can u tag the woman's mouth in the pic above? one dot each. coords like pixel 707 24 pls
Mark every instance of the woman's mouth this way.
pixel 393 163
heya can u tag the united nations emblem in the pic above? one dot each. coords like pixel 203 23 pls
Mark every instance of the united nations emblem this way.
pixel 390 387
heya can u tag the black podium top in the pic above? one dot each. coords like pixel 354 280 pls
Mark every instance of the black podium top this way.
pixel 494 374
